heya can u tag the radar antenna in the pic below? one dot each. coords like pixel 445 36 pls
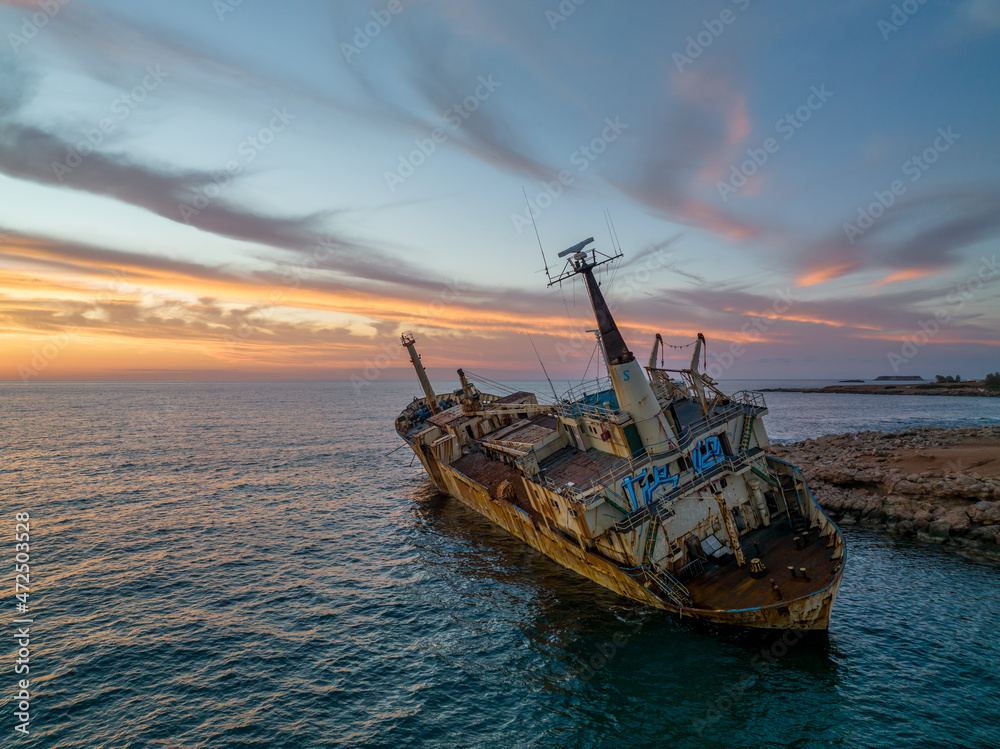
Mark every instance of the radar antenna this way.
pixel 582 260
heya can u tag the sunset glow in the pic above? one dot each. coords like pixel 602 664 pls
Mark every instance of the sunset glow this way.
pixel 253 193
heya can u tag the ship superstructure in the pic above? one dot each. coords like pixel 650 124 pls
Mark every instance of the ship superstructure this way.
pixel 652 482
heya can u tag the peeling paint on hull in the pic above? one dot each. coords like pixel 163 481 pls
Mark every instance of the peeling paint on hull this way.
pixel 810 612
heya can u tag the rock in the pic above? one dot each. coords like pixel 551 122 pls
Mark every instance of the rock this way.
pixel 874 517
pixel 928 538
pixel 905 528
pixel 858 478
pixel 986 513
pixel 958 519
pixel 897 512
pixel 984 533
pixel 939 529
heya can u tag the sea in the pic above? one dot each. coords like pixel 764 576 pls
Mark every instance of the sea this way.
pixel 256 564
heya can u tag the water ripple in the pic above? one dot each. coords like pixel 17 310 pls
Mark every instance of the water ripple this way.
pixel 240 565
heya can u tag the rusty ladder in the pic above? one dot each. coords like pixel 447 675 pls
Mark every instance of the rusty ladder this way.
pixel 670 585
pixel 748 421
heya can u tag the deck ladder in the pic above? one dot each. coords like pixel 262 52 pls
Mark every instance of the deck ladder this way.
pixel 671 587
pixel 748 421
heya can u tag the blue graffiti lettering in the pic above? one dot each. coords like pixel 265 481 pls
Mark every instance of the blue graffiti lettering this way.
pixel 660 477
pixel 628 487
pixel 707 453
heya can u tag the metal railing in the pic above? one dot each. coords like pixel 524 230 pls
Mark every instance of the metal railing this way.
pixel 572 410
pixel 750 398
pixel 588 387
pixel 670 585
pixel 639 460
pixel 690 570
pixel 637 517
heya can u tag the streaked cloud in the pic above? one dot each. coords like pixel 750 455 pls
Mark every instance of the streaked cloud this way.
pixel 320 266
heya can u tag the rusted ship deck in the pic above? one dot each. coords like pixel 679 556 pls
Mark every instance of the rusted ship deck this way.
pixel 651 482
pixel 718 586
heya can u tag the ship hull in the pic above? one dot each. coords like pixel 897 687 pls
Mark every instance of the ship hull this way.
pixel 810 612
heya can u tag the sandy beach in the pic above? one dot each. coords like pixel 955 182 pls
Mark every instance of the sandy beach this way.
pixel 938 485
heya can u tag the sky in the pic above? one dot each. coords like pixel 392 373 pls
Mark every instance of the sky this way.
pixel 240 189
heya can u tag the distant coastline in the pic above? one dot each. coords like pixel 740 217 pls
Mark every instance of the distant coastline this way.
pixel 898 388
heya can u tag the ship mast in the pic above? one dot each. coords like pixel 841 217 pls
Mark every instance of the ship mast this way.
pixel 630 384
pixel 696 378
pixel 411 345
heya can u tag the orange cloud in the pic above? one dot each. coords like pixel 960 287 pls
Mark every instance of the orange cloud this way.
pixel 822 275
pixel 902 275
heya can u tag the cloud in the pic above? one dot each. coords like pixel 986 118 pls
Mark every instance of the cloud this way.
pixel 38 155
pixel 441 73
pixel 968 219
pixel 930 233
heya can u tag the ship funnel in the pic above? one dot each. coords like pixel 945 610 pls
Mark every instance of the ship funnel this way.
pixel 410 343
pixel 631 386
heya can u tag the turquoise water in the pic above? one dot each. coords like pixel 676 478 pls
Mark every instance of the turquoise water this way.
pixel 243 565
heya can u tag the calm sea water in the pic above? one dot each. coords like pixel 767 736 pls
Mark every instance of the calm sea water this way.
pixel 247 565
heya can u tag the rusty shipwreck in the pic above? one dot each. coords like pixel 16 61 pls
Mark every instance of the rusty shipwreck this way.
pixel 653 484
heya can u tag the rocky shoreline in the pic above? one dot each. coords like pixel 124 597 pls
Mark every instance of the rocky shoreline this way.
pixel 937 485
pixel 972 390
